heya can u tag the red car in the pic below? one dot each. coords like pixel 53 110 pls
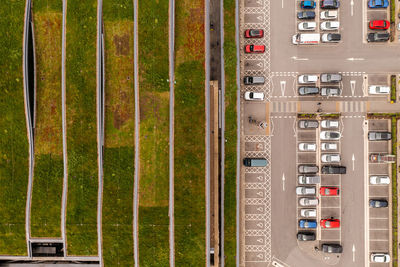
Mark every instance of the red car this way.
pixel 251 33
pixel 379 24
pixel 254 48
pixel 330 223
pixel 329 191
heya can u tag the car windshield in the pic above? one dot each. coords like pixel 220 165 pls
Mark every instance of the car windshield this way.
pixel 327 191
pixel 255 32
pixel 333 134
pixel 251 95
pixel 327 223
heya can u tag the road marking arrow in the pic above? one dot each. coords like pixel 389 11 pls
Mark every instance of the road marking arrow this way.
pixel 283 85
pixel 355 58
pixel 353 159
pixel 352 6
pixel 354 253
pixel 353 87
pixel 283 182
pixel 296 58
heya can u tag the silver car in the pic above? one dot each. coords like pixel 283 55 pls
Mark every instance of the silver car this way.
pixel 306 201
pixel 328 146
pixel 303 190
pixel 330 158
pixel 331 77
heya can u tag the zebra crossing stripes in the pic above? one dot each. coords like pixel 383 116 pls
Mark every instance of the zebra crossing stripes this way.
pixel 352 106
pixel 284 107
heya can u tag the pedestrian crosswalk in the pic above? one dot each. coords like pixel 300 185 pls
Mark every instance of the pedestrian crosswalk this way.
pixel 352 106
pixel 284 107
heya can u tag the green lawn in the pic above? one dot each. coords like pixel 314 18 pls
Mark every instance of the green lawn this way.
pixel 48 169
pixel 14 157
pixel 189 135
pixel 154 133
pixel 81 220
pixel 230 132
pixel 117 228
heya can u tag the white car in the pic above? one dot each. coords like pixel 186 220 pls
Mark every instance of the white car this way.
pixel 306 201
pixel 254 96
pixel 307 147
pixel 329 135
pixel 303 190
pixel 328 146
pixel 330 25
pixel 307 26
pixel 379 179
pixel 307 213
pixel 308 78
pixel 378 90
pixel 380 257
pixel 330 158
pixel 330 124
pixel 329 14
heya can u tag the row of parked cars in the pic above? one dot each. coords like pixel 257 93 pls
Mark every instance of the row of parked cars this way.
pixel 378 24
pixel 325 15
pixel 324 78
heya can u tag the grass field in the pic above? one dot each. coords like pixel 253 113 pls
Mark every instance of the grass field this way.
pixel 48 169
pixel 81 214
pixel 119 134
pixel 154 135
pixel 230 132
pixel 14 157
pixel 189 135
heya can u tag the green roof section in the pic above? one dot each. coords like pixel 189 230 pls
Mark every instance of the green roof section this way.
pixel 119 142
pixel 48 159
pixel 154 133
pixel 14 149
pixel 81 120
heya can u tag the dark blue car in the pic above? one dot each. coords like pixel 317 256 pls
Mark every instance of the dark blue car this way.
pixel 378 3
pixel 310 224
pixel 308 4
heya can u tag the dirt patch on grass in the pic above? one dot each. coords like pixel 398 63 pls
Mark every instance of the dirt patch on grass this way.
pixel 121 43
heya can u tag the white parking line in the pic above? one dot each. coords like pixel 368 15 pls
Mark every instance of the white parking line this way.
pixel 379 229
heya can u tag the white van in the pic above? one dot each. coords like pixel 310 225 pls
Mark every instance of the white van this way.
pixel 330 14
pixel 306 38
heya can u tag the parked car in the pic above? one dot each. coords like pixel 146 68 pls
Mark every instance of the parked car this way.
pixel 307 224
pixel 332 248
pixel 379 24
pixel 303 190
pixel 330 158
pixel 307 26
pixel 329 135
pixel 331 37
pixel 330 124
pixel 309 179
pixel 331 77
pixel 330 4
pixel 253 80
pixel 308 4
pixel 306 15
pixel 253 33
pixel 379 136
pixel 254 48
pixel 306 236
pixel 382 158
pixel 378 203
pixel 255 162
pixel 308 169
pixel 307 147
pixel 329 191
pixel 308 90
pixel 308 124
pixel 329 14
pixel 379 179
pixel 378 37
pixel 330 91
pixel 308 213
pixel 380 257
pixel 333 169
pixel 330 25
pixel 306 201
pixel 254 96
pixel 378 90
pixel 330 223
pixel 328 146
pixel 378 3
pixel 308 78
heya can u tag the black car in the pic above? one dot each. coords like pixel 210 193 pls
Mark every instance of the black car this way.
pixel 332 248
pixel 308 124
pixel 308 90
pixel 330 4
pixel 378 37
pixel 306 236
pixel 333 169
pixel 378 136
pixel 306 15
pixel 378 203
pixel 331 37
